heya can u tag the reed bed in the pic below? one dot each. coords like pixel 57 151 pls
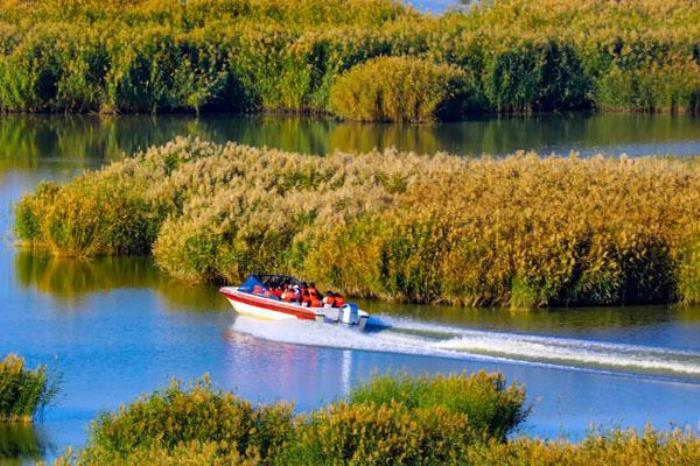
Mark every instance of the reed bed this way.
pixel 23 392
pixel 400 89
pixel 379 424
pixel 200 423
pixel 232 55
pixel 521 231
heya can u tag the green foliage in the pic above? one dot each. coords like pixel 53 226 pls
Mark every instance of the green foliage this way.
pixel 382 434
pixel 521 231
pixel 23 392
pixel 200 416
pixel 399 89
pixel 233 55
pixel 492 408
pixel 617 448
pixel 204 425
pixel 389 421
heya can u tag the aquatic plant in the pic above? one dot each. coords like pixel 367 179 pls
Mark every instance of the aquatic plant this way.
pixel 399 89
pixel 232 55
pixel 371 434
pixel 205 424
pixel 23 391
pixel 522 231
pixel 493 409
pixel 379 425
pixel 615 448
pixel 177 418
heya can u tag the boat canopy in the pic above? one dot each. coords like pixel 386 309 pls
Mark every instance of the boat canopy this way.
pixel 267 282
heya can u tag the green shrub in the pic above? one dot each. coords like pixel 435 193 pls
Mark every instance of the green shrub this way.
pixel 492 409
pixel 213 55
pixel 175 419
pixel 23 392
pixel 617 448
pixel 521 231
pixel 374 434
pixel 399 89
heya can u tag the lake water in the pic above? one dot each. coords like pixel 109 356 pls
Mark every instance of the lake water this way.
pixel 116 328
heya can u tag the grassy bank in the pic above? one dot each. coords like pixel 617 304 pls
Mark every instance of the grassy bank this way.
pixel 23 392
pixel 521 231
pixel 392 420
pixel 234 55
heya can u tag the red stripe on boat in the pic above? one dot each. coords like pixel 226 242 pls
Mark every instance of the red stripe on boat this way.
pixel 271 305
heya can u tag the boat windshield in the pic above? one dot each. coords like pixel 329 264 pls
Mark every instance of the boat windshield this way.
pixel 262 283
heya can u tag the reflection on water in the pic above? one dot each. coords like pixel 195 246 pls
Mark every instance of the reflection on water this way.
pixel 21 443
pixel 88 141
pixel 71 280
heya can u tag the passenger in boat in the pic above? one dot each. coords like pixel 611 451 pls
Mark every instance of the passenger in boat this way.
pixel 333 299
pixel 305 297
pixel 258 290
pixel 288 295
pixel 314 296
pixel 272 294
pixel 297 293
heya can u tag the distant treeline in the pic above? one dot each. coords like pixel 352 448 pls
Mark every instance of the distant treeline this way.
pixel 521 231
pixel 129 56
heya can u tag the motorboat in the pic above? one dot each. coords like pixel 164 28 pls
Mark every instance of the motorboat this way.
pixel 256 297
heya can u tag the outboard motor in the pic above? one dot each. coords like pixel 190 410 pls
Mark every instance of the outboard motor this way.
pixel 350 314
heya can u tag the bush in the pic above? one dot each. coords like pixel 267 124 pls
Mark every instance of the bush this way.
pixel 520 231
pixel 493 409
pixel 23 392
pixel 200 419
pixel 400 89
pixel 374 434
pixel 617 448
pixel 204 425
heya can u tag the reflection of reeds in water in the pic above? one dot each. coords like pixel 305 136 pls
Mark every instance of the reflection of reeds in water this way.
pixel 20 444
pixel 74 279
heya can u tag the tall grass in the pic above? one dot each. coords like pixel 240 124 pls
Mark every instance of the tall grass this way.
pixel 400 89
pixel 492 408
pixel 214 55
pixel 616 448
pixel 521 231
pixel 23 391
pixel 381 424
pixel 202 424
pixel 176 417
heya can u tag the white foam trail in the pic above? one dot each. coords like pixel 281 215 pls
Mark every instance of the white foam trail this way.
pixel 412 337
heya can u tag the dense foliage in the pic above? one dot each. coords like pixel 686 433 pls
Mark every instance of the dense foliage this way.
pixel 399 89
pixel 521 231
pixel 214 427
pixel 491 407
pixel 380 425
pixel 23 392
pixel 617 448
pixel 521 55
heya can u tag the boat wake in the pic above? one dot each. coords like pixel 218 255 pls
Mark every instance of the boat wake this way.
pixel 413 337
